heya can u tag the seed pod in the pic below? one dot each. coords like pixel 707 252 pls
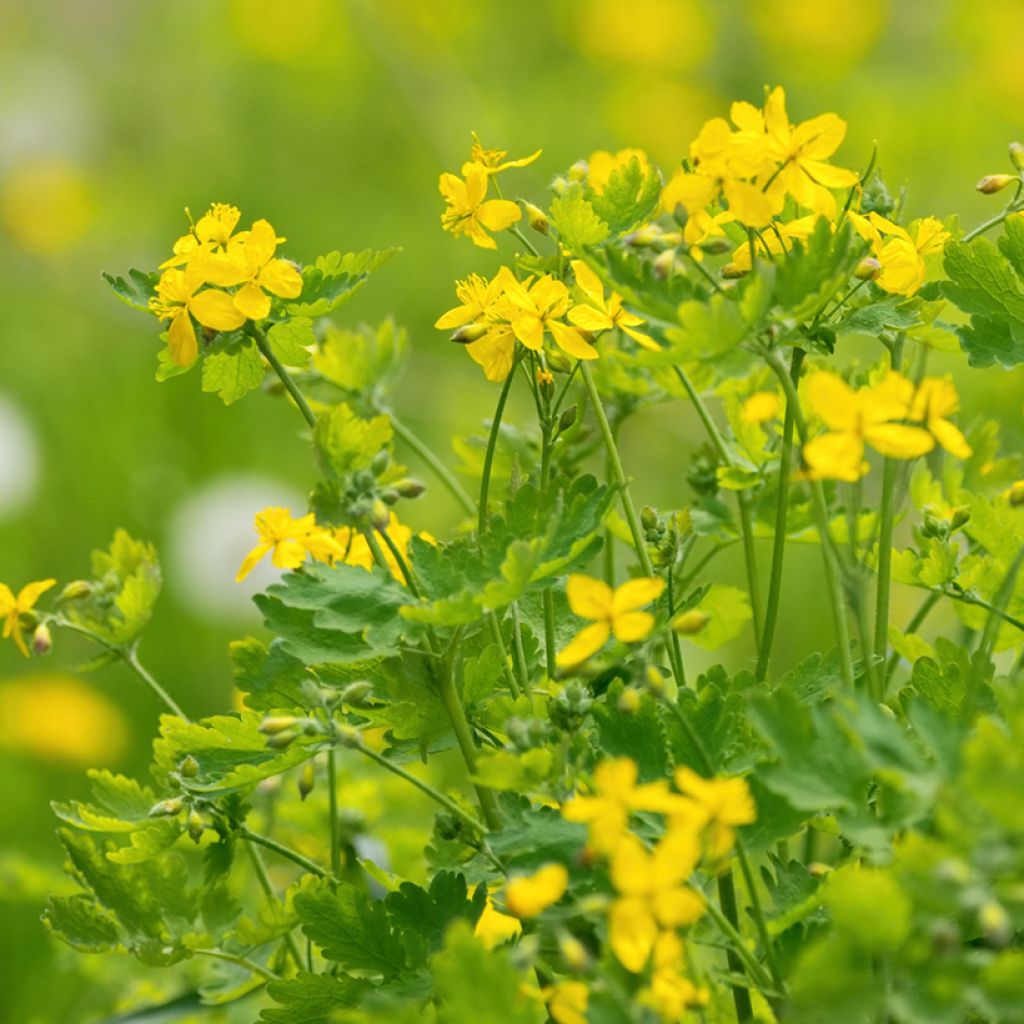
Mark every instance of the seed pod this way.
pixel 42 640
pixel 995 183
pixel 273 725
pixel 307 780
pixel 196 825
pixel 691 622
pixel 536 218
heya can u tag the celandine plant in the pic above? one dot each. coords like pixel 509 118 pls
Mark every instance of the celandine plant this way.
pixel 614 839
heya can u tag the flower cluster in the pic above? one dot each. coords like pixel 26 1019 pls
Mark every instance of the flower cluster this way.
pixel 220 277
pixel 891 416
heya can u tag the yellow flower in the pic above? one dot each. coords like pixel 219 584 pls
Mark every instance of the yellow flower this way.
pixel 900 251
pixel 177 300
pixel 702 226
pixel 493 927
pixel 493 160
pixel 213 244
pixel 725 805
pixel 760 407
pixel 670 993
pixel 802 150
pixel 601 314
pixel 536 309
pixel 288 541
pixel 934 400
pixel 529 895
pixel 567 1002
pixel 613 611
pixel 13 608
pixel 652 894
pixel 773 241
pixel 468 210
pixel 264 274
pixel 355 549
pixel 601 165
pixel 606 814
pixel 856 418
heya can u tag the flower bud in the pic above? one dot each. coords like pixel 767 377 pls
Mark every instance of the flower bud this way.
pixel 868 269
pixel 1015 493
pixel 995 924
pixel 568 417
pixel 196 826
pixel 995 183
pixel 960 518
pixel 75 590
pixel 545 381
pixel 42 640
pixel 307 779
pixel 166 808
pixel 715 246
pixel 664 264
pixel 282 739
pixel 469 333
pixel 629 701
pixel 818 869
pixel 558 185
pixel 447 826
pixel 357 694
pixel 732 271
pixel 273 725
pixel 558 361
pixel 410 487
pixel 347 736
pixel 381 461
pixel 189 767
pixel 573 952
pixel 691 622
pixel 648 517
pixel 645 236
pixel 578 171
pixel 1017 155
pixel 536 218
pixel 380 515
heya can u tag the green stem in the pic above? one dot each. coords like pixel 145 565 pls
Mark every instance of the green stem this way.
pixel 285 377
pixel 548 597
pixel 443 473
pixel 771 615
pixel 495 627
pixel 522 238
pixel 832 581
pixel 759 918
pixel 492 441
pixel 628 507
pixel 737 961
pixel 332 809
pixel 520 653
pixel 886 522
pixel 268 890
pixel 239 961
pixel 286 852
pixel 1011 207
pixel 675 652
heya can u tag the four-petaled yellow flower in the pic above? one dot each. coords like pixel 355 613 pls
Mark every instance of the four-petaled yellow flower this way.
pixel 289 541
pixel 724 804
pixel 213 246
pixel 529 895
pixel 858 418
pixel 670 993
pixel 355 548
pixel 469 212
pixel 604 314
pixel 264 274
pixel 613 611
pixel 567 1002
pixel 653 894
pixel 493 160
pixel 617 795
pixel 901 251
pixel 12 608
pixel 537 309
pixel 934 400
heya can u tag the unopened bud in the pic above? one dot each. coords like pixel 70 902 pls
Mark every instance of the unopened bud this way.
pixel 629 701
pixel 995 183
pixel 75 590
pixel 347 736
pixel 664 264
pixel 574 953
pixel 282 739
pixel 648 517
pixel 380 515
pixel 357 694
pixel 166 808
pixel 868 269
pixel 469 333
pixel 1017 155
pixel 568 417
pixel 1015 493
pixel 410 487
pixel 715 246
pixel 961 517
pixel 380 462
pixel 732 271
pixel 545 381
pixel 42 640
pixel 559 185
pixel 578 171
pixel 558 361
pixel 189 767
pixel 307 780
pixel 818 870
pixel 536 218
pixel 645 236
pixel 995 924
pixel 661 686
pixel 691 622
pixel 447 826
pixel 272 726
pixel 196 826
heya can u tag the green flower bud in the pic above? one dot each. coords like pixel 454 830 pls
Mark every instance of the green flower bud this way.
pixel 381 461
pixel 307 779
pixel 469 333
pixel 273 725
pixel 75 590
pixel 691 622
pixel 358 694
pixel 648 518
pixel 389 496
pixel 578 171
pixel 995 924
pixel 568 417
pixel 1017 155
pixel 629 701
pixel 536 218
pixel 868 269
pixel 189 767
pixel 42 640
pixel 196 825
pixel 166 808
pixel 993 183
pixel 410 487
pixel 664 264
pixel 732 271
pixel 380 516
pixel 282 740
pixel 960 518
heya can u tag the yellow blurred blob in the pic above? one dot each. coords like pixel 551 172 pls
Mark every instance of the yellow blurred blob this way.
pixel 994 32
pixel 667 35
pixel 819 38
pixel 60 718
pixel 45 205
pixel 287 30
pixel 659 113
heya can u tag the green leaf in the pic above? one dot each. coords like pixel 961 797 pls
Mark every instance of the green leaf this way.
pixel 430 912
pixel 362 361
pixel 868 907
pixel 352 930
pixel 875 317
pixel 574 218
pixel 347 442
pixel 82 923
pixel 729 611
pixel 474 985
pixel 270 679
pixel 313 998
pixel 538 835
pixel 136 290
pixel 233 372
pixel 638 735
pixel 515 773
pixel 333 279
pixel 994 769
pixel 813 271
pixel 630 196
pixel 292 340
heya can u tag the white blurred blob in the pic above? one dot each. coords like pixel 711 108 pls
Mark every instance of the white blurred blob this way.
pixel 211 532
pixel 19 458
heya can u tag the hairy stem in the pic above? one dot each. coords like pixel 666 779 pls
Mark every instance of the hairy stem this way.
pixel 286 852
pixel 285 377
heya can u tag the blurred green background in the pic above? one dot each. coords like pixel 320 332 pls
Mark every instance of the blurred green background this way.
pixel 333 119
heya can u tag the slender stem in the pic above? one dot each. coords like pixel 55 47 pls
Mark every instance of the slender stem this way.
pixel 968 598
pixel 548 597
pixel 286 378
pixel 1011 207
pixel 675 652
pixel 495 627
pixel 703 561
pixel 522 238
pixel 912 627
pixel 886 522
pixel 771 615
pixel 240 961
pixel 746 510
pixel 492 441
pixel 753 968
pixel 268 890
pixel 332 809
pixel 706 419
pixel 403 565
pixel 443 473
pixel 759 918
pixel 619 473
pixel 736 960
pixel 517 646
pixel 820 508
pixel 285 851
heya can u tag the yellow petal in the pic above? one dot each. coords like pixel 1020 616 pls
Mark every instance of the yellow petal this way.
pixel 588 281
pixel 632 931
pixel 216 309
pixel 181 339
pixel 590 319
pixel 633 626
pixel 31 592
pixel 639 338
pixel 250 560
pixel 898 441
pixel 950 438
pixel 498 214
pixel 571 341
pixel 289 553
pixel 835 456
pixel 833 400
pixel 589 598
pixel 252 302
pixel 588 641
pixel 529 895
pixel 636 593
pixel 281 278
